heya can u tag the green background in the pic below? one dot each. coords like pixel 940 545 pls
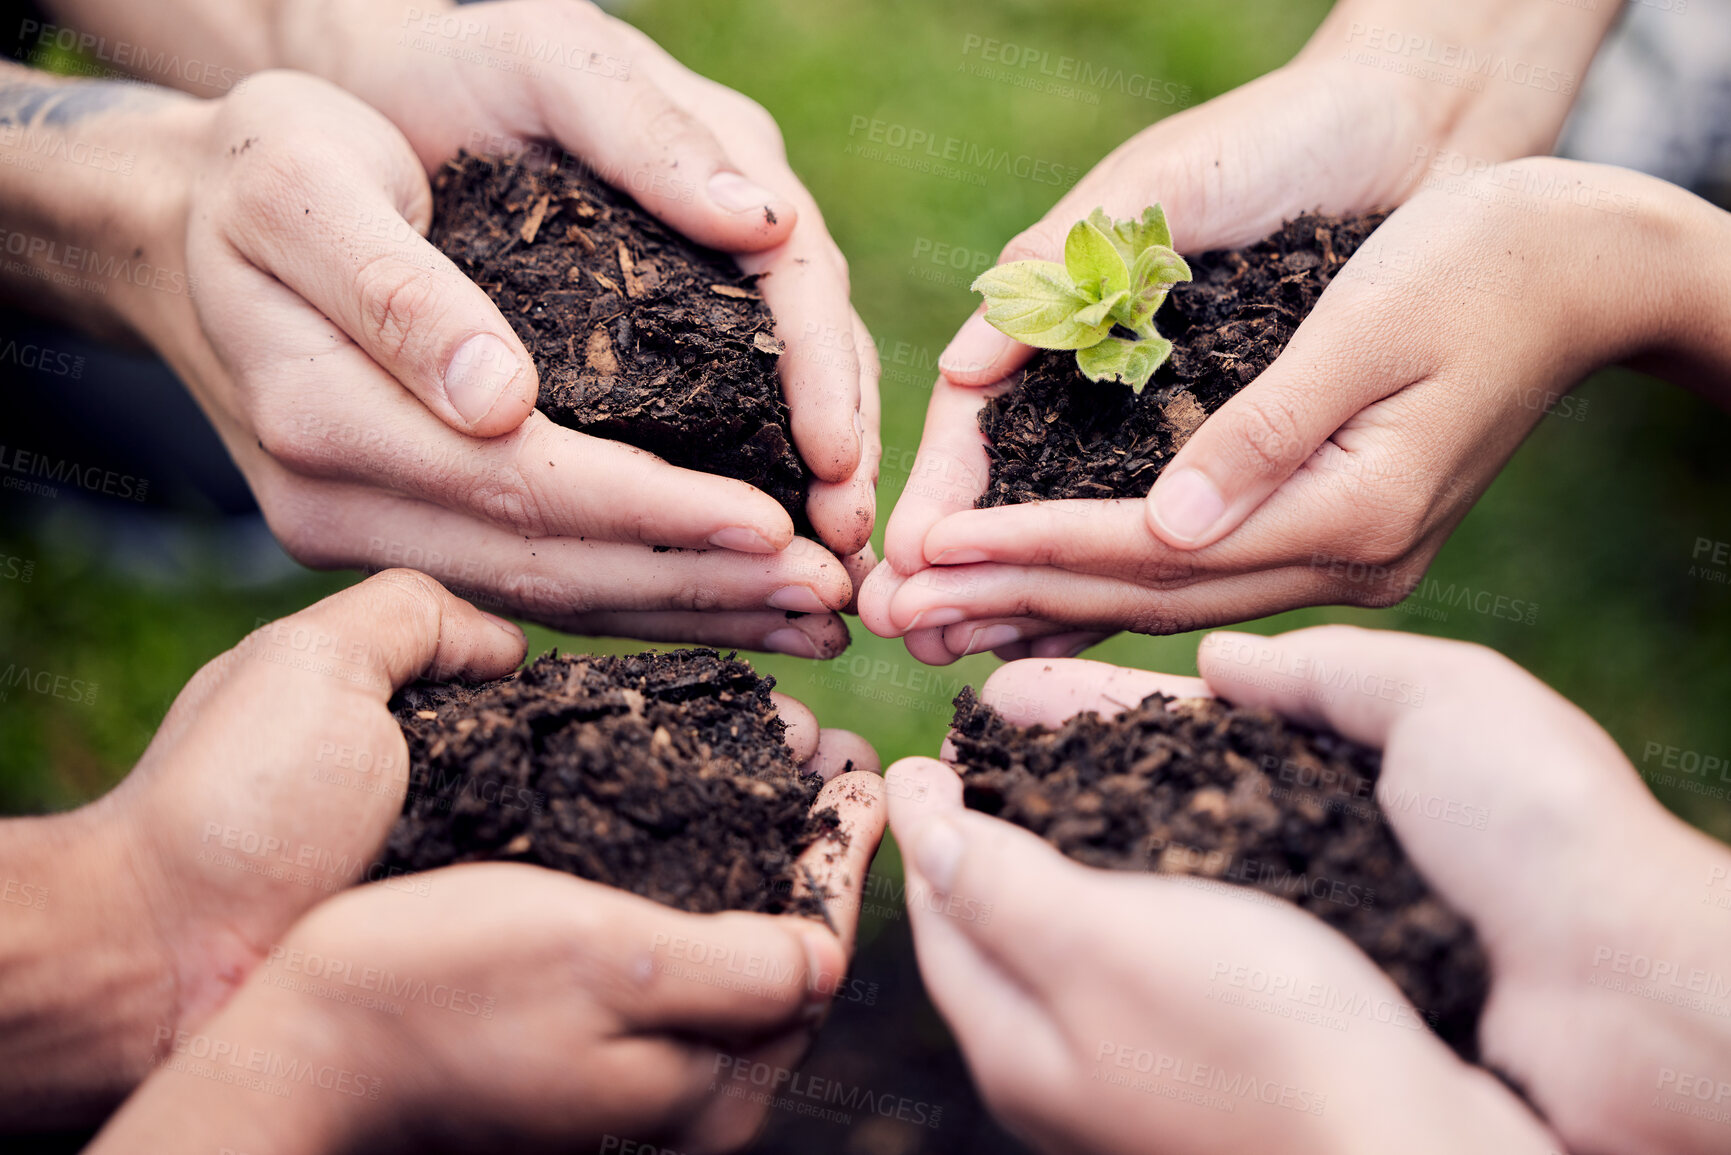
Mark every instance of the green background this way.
pixel 1594 521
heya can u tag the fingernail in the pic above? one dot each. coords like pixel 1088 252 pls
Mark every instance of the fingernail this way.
pixel 511 628
pixel 737 195
pixel 961 557
pixel 799 599
pixel 478 373
pixel 936 619
pixel 938 853
pixel 741 539
pixel 1186 504
pixel 975 348
pixel 990 638
pixel 788 640
pixel 858 431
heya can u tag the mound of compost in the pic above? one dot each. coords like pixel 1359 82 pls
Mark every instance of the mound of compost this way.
pixel 639 335
pixel 664 774
pixel 1056 434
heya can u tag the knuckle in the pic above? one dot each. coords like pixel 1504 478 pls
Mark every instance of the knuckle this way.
pixel 1041 242
pixel 1266 434
pixel 286 437
pixel 303 530
pixel 397 301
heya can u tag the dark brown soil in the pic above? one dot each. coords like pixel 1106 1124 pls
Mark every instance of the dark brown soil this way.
pixel 1056 434
pixel 1202 788
pixel 664 774
pixel 639 335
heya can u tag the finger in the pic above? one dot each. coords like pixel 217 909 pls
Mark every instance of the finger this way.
pixel 1050 691
pixel 928 646
pixel 1084 602
pixel 772 631
pixel 722 976
pixel 801 734
pixel 844 514
pixel 836 865
pixel 1354 349
pixel 1013 638
pixel 345 236
pixel 805 284
pixel 948 475
pixel 329 412
pixel 841 752
pixel 859 567
pixel 640 139
pixel 874 593
pixel 387 631
pixel 331 524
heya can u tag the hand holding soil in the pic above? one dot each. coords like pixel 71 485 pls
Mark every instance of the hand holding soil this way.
pixel 1512 804
pixel 1333 476
pixel 703 158
pixel 576 1012
pixel 341 357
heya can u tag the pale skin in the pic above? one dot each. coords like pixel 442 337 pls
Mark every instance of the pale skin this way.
pixel 271 786
pixel 380 407
pixel 1480 302
pixel 1080 974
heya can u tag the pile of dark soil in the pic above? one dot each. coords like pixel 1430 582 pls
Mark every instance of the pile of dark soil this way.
pixel 1198 787
pixel 639 335
pixel 664 774
pixel 1056 434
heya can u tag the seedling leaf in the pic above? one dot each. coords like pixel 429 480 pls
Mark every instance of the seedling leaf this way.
pixel 1132 362
pixel 1036 302
pixel 1094 263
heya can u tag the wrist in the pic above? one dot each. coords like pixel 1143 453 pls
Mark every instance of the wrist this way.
pixel 94 191
pixel 85 983
pixel 269 1075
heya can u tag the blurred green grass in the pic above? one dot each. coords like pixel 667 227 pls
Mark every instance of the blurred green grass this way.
pixel 1594 521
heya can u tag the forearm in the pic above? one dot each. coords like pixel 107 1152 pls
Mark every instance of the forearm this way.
pixel 1693 344
pixel 1494 78
pixel 204 47
pixel 261 1077
pixel 90 177
pixel 84 985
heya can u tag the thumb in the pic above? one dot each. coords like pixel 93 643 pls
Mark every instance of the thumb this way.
pixel 387 631
pixel 336 216
pixel 1349 353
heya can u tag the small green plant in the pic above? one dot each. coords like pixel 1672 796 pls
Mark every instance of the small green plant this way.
pixel 1115 273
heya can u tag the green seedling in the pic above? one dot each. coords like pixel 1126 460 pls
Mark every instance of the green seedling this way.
pixel 1115 275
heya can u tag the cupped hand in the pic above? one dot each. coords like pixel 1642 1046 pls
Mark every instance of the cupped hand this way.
pixel 382 409
pixel 1337 474
pixel 704 158
pixel 1512 803
pixel 534 1010
pixel 274 782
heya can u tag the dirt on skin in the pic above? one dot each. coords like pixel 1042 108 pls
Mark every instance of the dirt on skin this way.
pixel 1200 788
pixel 1056 434
pixel 639 335
pixel 663 774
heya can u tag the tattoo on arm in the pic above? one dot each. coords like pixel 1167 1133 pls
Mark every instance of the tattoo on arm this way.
pixel 59 105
